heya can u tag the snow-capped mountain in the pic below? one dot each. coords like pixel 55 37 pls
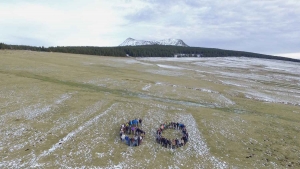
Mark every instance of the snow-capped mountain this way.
pixel 133 42
pixel 174 42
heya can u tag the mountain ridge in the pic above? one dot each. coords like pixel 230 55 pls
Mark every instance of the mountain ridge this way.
pixel 172 42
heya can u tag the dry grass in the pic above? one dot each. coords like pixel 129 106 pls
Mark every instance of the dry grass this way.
pixel 63 110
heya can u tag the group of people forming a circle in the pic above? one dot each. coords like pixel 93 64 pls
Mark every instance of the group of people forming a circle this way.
pixel 172 143
pixel 132 127
pixel 132 135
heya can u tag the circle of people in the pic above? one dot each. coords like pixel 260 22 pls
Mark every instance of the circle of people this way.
pixel 132 128
pixel 172 143
pixel 137 135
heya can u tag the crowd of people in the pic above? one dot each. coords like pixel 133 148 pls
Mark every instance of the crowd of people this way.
pixel 172 143
pixel 131 134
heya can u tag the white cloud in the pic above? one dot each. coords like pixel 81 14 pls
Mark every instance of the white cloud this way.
pixel 88 25
pixel 255 26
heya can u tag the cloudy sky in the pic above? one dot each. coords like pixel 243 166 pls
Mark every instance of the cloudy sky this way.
pixel 263 26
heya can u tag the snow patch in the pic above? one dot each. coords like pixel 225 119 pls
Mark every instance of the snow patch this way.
pixel 168 66
pixel 36 110
pixel 231 83
pixel 133 42
pixel 146 88
pixel 165 72
pixel 197 143
pixel 133 61
pixel 224 100
pixel 71 134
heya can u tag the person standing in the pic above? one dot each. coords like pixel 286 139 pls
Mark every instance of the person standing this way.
pixel 182 142
pixel 177 142
pixel 121 133
pixel 173 144
pixel 138 140
pixel 127 139
pixel 123 137
pixel 133 129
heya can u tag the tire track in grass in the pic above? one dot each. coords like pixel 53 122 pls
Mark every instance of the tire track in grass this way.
pixel 197 144
pixel 118 92
pixel 11 131
pixel 36 110
pixel 60 125
pixel 74 119
pixel 81 128
pixel 84 149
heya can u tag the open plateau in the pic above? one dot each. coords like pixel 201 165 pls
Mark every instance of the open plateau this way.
pixel 65 111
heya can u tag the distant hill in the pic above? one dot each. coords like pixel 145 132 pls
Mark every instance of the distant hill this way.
pixel 171 42
pixel 147 51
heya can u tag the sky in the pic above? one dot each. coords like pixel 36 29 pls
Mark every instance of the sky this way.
pixel 261 26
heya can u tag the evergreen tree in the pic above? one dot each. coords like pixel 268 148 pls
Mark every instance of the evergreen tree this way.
pixel 146 51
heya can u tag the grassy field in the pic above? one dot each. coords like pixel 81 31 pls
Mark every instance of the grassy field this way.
pixel 64 111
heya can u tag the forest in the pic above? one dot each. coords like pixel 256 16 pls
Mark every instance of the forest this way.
pixel 146 51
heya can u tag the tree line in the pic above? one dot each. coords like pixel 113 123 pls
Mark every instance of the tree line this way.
pixel 146 51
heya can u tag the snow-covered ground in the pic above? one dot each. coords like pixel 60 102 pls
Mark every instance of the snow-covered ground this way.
pixel 72 118
pixel 289 55
pixel 250 73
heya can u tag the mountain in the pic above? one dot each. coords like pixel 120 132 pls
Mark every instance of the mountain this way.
pixel 133 42
pixel 171 42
